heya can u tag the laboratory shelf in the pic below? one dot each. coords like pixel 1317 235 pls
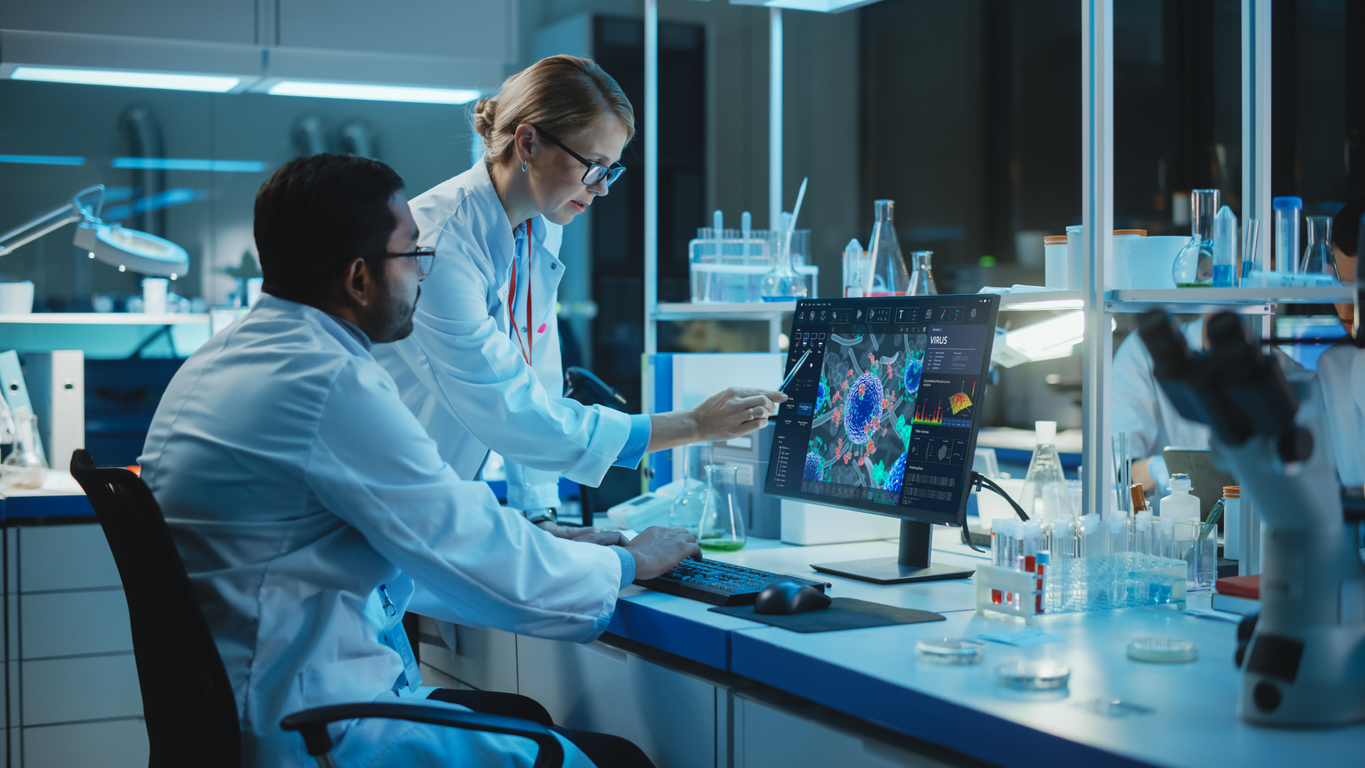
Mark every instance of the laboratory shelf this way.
pixel 105 318
pixel 1243 300
pixel 1034 300
pixel 750 311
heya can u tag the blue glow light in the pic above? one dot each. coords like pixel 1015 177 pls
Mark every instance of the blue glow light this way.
pixel 165 81
pixel 373 92
pixel 167 199
pixel 42 159
pixel 186 164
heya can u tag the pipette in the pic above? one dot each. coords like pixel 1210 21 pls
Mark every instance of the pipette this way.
pixel 794 369
pixel 791 228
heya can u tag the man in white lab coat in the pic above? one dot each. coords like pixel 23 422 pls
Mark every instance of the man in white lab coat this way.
pixel 311 509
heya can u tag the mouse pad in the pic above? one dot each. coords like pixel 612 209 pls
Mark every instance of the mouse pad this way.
pixel 843 613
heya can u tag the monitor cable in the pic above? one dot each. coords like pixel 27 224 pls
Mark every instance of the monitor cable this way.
pixel 979 481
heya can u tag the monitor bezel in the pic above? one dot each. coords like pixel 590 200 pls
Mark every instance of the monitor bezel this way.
pixel 958 518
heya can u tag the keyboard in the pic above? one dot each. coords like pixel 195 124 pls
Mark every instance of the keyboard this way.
pixel 712 581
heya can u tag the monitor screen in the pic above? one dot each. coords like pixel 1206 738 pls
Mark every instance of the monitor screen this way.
pixel 884 411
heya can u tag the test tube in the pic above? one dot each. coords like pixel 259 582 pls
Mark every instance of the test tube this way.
pixel 1287 211
pixel 999 545
pixel 1251 246
pixel 1142 540
pixel 1118 534
pixel 1090 539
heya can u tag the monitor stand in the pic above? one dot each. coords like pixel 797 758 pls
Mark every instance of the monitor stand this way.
pixel 911 565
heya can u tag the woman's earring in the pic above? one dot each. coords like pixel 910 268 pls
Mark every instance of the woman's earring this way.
pixel 523 166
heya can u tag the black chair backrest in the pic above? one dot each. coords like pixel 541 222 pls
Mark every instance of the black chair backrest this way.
pixel 187 700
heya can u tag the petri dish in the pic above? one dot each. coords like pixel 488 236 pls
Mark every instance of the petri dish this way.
pixel 950 650
pixel 1163 650
pixel 1032 675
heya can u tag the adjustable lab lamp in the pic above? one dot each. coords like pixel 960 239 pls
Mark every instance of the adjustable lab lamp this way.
pixel 127 249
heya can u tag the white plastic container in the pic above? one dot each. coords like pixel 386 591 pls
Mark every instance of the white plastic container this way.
pixel 1232 522
pixel 1180 504
pixel 1054 262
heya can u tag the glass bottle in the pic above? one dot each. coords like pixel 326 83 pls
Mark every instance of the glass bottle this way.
pixel 889 277
pixel 1194 264
pixel 922 279
pixel 1317 257
pixel 687 505
pixel 783 283
pixel 722 519
pixel 24 467
pixel 1045 496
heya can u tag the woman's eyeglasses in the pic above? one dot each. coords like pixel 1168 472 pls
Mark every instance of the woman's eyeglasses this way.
pixel 426 258
pixel 596 173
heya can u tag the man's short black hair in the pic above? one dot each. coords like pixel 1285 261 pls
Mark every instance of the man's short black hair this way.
pixel 317 214
pixel 1346 226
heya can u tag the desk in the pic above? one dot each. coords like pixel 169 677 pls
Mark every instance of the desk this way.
pixel 869 689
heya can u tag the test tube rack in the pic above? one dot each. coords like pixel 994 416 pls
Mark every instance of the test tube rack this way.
pixel 1079 585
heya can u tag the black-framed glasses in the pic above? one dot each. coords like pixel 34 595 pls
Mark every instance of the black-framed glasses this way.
pixel 426 258
pixel 596 172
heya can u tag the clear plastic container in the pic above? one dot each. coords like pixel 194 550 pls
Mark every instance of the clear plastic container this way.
pixel 950 650
pixel 1045 494
pixel 889 277
pixel 1287 211
pixel 1033 675
pixel 1225 249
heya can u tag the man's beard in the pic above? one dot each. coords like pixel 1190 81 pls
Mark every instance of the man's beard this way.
pixel 393 320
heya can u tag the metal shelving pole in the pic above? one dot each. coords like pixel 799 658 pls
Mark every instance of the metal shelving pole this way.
pixel 1097 196
pixel 651 194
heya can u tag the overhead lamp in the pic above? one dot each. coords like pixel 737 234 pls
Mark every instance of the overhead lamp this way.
pixel 360 91
pixel 127 249
pixel 127 79
pixel 1052 338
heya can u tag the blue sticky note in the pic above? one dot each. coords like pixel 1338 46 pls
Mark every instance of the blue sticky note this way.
pixel 1023 637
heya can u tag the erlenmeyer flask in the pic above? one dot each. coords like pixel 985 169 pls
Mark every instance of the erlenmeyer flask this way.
pixel 24 467
pixel 1044 496
pixel 687 506
pixel 1193 266
pixel 1317 257
pixel 889 277
pixel 922 278
pixel 783 283
pixel 722 519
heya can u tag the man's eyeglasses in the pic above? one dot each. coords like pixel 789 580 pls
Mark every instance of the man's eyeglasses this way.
pixel 426 258
pixel 596 172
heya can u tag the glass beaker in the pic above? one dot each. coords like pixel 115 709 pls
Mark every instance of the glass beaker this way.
pixel 1045 496
pixel 687 505
pixel 1317 257
pixel 24 467
pixel 889 277
pixel 783 283
pixel 922 279
pixel 1193 266
pixel 722 519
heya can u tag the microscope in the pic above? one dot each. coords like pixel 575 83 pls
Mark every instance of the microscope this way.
pixel 1305 663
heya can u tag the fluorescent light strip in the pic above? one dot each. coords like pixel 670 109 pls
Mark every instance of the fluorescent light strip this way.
pixel 42 159
pixel 165 81
pixel 373 92
pixel 186 164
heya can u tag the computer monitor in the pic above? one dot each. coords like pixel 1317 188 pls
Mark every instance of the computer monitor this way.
pixel 883 415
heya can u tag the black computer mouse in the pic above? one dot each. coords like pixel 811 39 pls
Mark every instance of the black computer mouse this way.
pixel 787 597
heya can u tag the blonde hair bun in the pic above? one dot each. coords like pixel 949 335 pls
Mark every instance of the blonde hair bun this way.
pixel 560 94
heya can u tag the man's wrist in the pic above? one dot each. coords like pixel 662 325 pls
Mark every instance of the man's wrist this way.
pixel 542 515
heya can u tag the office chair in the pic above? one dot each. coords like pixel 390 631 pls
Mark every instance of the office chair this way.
pixel 187 701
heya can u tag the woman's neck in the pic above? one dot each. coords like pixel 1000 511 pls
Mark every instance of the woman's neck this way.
pixel 513 192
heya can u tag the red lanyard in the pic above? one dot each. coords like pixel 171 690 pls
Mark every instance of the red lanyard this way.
pixel 512 299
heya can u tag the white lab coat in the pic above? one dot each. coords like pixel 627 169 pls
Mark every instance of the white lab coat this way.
pixel 1341 374
pixel 295 483
pixel 467 380
pixel 1141 408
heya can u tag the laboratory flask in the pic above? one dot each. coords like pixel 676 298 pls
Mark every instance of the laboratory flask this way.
pixel 783 282
pixel 889 277
pixel 1317 257
pixel 922 278
pixel 1044 496
pixel 687 505
pixel 722 518
pixel 24 467
pixel 1193 266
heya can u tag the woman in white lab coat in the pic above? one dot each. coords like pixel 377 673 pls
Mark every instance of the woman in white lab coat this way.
pixel 1341 368
pixel 482 367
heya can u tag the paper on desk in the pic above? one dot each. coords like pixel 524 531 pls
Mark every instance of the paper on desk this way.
pixel 1022 637
pixel 1206 613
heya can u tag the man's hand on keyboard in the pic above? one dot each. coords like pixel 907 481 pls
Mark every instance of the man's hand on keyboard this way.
pixel 657 549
